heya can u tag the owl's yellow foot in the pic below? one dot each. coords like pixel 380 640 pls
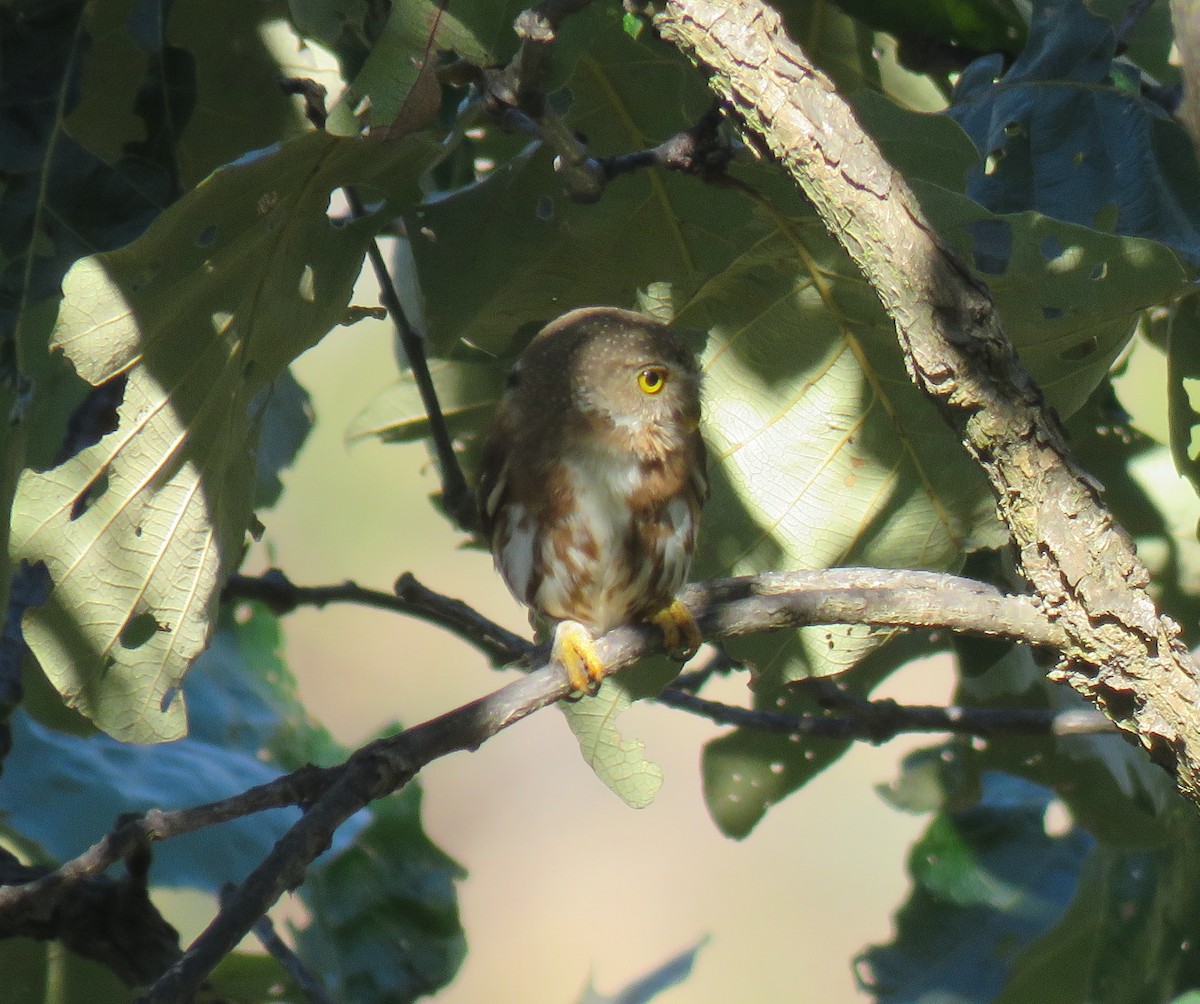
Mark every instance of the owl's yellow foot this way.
pixel 575 650
pixel 681 635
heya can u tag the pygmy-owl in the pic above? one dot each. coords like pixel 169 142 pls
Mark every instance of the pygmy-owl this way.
pixel 592 479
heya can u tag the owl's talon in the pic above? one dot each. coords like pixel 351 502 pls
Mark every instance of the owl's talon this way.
pixel 575 650
pixel 681 634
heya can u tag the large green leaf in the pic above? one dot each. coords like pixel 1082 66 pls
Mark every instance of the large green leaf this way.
pixel 203 313
pixel 1129 932
pixel 988 880
pixel 238 60
pixel 1059 135
pixel 59 200
pixel 384 916
pixel 64 791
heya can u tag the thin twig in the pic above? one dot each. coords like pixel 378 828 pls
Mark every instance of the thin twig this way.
pixel 282 596
pixel 517 88
pixel 700 150
pixel 457 495
pixel 879 721
pixel 309 982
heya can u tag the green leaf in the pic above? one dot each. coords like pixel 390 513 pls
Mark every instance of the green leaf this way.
pixel 384 924
pixel 287 419
pixel 203 313
pixel 46 971
pixel 979 25
pixel 386 84
pixel 468 391
pixel 617 761
pixel 988 880
pixel 542 253
pixel 65 791
pixel 238 60
pixel 746 771
pixel 1129 934
pixel 1148 42
pixel 1183 388
pixel 1058 136
pixel 240 978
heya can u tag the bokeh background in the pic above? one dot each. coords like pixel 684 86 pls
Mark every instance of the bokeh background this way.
pixel 566 884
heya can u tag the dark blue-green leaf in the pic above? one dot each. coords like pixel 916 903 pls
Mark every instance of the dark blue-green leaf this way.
pixel 987 881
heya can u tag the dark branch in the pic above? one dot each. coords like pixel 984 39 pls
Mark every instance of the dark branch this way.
pixel 107 919
pixel 274 589
pixel 700 150
pixel 879 721
pixel 310 983
pixel 457 495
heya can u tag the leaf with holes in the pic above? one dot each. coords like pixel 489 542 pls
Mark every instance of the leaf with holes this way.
pixel 1064 131
pixel 202 313
pixel 619 762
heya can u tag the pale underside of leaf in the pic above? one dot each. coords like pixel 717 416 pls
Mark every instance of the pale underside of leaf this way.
pixel 617 761
pixel 202 314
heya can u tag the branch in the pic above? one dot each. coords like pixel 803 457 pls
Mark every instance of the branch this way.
pixel 1120 653
pixel 723 608
pixel 309 983
pixel 879 721
pixel 274 589
pixel 107 919
pixel 457 495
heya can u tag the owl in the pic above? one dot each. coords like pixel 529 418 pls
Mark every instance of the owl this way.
pixel 592 478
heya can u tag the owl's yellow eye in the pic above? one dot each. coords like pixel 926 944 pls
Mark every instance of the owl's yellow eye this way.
pixel 652 379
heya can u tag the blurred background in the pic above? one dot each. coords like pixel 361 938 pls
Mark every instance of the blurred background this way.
pixel 566 884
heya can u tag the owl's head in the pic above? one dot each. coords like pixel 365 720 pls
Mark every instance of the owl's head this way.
pixel 620 373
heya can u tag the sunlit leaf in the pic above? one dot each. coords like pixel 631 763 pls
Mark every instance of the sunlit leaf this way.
pixel 203 313
pixel 619 761
pixel 390 79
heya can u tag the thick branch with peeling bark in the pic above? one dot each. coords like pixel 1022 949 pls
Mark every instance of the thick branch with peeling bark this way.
pixel 1121 653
